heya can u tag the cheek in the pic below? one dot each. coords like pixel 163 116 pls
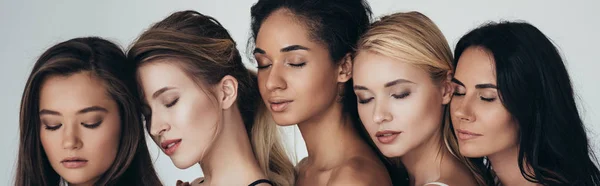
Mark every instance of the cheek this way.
pixel 502 130
pixel 420 113
pixel 51 144
pixel 365 113
pixel 104 142
pixel 198 120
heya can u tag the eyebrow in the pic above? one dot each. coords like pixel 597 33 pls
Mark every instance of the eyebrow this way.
pixel 160 91
pixel 478 86
pixel 293 47
pixel 285 49
pixel 457 82
pixel 388 84
pixel 258 50
pixel 82 111
pixel 398 81
pixel 49 112
pixel 488 85
pixel 359 87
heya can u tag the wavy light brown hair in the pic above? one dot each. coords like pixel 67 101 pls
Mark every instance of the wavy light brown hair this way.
pixel 207 53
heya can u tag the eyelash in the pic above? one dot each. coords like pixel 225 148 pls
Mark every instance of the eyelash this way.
pixel 172 103
pixel 53 128
pixel 458 94
pixel 487 99
pixel 481 97
pixel 360 101
pixel 263 67
pixel 93 125
pixel 401 96
pixel 89 126
pixel 298 65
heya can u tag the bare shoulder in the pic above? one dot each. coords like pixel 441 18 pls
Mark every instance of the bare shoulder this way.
pixel 360 171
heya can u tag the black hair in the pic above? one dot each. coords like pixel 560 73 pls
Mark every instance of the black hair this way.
pixel 535 88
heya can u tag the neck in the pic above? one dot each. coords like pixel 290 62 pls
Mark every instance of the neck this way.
pixel 506 166
pixel 425 162
pixel 231 160
pixel 330 137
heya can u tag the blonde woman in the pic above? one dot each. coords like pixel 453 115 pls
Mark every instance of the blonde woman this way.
pixel 203 106
pixel 403 107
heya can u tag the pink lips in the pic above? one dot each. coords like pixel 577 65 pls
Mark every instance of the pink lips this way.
pixel 169 146
pixel 279 104
pixel 387 136
pixel 74 162
pixel 466 135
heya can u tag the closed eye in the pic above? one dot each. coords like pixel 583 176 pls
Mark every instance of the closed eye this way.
pixel 487 99
pixel 93 125
pixel 364 101
pixel 297 65
pixel 400 96
pixel 263 67
pixel 52 128
pixel 172 103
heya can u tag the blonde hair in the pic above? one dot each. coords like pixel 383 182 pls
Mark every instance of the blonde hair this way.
pixel 413 38
pixel 208 53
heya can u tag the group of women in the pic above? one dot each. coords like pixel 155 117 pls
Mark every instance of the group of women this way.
pixel 378 103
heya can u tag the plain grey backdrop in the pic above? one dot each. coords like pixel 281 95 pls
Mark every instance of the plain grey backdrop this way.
pixel 29 27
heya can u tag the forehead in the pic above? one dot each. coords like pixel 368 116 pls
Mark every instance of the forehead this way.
pixel 370 67
pixel 476 66
pixel 283 28
pixel 65 93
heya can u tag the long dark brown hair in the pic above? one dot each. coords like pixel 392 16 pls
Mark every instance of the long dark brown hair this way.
pixel 106 62
pixel 207 53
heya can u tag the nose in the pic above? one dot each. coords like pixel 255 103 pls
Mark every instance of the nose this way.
pixel 462 109
pixel 158 127
pixel 381 113
pixel 275 80
pixel 71 138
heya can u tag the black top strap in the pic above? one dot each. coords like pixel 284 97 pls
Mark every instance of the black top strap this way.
pixel 261 181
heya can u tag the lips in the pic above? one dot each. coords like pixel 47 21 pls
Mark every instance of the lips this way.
pixel 387 136
pixel 279 104
pixel 466 135
pixel 169 146
pixel 74 162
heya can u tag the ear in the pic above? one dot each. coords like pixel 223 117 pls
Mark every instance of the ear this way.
pixel 447 88
pixel 227 90
pixel 345 69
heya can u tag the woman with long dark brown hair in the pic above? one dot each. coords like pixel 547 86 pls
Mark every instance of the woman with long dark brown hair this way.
pixel 79 121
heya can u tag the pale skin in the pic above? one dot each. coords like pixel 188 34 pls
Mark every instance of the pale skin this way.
pixel 476 109
pixel 205 118
pixel 404 101
pixel 80 121
pixel 301 85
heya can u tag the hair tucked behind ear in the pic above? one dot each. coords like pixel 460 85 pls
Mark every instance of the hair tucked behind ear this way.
pixel 207 53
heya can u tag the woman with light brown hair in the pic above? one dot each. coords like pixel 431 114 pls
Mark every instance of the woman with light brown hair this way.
pixel 202 106
pixel 404 106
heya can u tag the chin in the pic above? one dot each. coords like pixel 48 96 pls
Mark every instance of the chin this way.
pixel 183 163
pixel 470 152
pixel 391 151
pixel 284 120
pixel 75 179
